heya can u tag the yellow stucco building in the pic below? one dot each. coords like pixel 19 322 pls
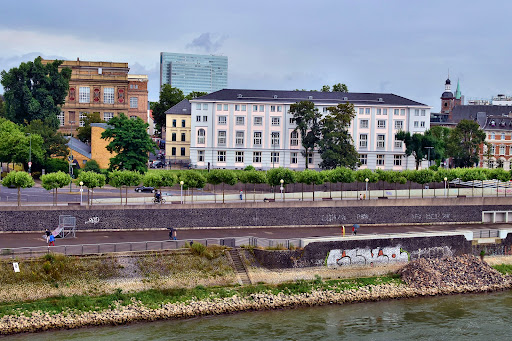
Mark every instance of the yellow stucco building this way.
pixel 96 151
pixel 177 134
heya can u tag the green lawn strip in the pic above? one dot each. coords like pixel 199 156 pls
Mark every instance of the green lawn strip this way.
pixel 504 268
pixel 156 298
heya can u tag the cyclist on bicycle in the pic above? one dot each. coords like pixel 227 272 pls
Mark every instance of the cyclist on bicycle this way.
pixel 158 197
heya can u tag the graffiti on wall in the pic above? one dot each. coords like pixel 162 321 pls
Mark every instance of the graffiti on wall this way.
pixel 93 220
pixel 371 257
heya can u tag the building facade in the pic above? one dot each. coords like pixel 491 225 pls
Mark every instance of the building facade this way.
pixel 177 137
pixel 238 128
pixel 193 72
pixel 103 87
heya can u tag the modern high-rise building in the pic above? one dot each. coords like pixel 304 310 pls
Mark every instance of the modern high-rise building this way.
pixel 194 72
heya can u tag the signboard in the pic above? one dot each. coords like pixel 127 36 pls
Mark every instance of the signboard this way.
pixel 16 267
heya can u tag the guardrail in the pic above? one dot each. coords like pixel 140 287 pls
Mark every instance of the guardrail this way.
pixel 93 249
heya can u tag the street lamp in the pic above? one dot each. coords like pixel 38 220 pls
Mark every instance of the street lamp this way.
pixel 366 180
pixel 428 157
pixel 282 188
pixel 445 179
pixel 81 191
pixel 181 184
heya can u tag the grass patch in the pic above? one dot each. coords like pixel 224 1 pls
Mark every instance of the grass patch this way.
pixel 155 298
pixel 54 268
pixel 504 268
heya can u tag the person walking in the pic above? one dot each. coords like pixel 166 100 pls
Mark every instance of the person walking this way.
pixel 51 240
pixel 353 231
pixel 171 232
pixel 48 233
pixel 175 234
pixel 361 196
pixel 241 194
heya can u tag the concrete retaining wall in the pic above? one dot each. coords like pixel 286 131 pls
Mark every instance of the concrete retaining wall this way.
pixel 307 213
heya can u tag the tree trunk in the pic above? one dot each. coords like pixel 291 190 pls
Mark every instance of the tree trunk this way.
pixel 192 195
pixel 274 190
pixel 473 189
pixel 125 196
pixel 410 184
pixel 458 189
pixel 313 192
pixel 19 196
pixel 214 196
pixel 482 188
pixel 222 192
pixel 88 201
pixel 341 192
pixel 330 189
pixel 121 195
pixel 396 190
pixel 302 192
pixel 56 197
pixel 254 193
pixel 245 192
pixel 92 195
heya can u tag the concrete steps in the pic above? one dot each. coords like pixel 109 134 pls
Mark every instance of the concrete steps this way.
pixel 240 269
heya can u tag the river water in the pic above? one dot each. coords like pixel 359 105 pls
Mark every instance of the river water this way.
pixel 457 317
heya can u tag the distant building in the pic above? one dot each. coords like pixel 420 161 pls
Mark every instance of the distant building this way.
pixel 177 138
pixel 194 72
pixel 237 128
pixel 104 87
pixel 97 151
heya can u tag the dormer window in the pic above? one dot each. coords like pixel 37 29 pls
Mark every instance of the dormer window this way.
pixel 493 123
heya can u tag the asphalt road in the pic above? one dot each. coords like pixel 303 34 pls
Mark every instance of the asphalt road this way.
pixel 11 240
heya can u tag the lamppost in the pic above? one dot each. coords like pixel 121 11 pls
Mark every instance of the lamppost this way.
pixel 30 154
pixel 71 154
pixel 181 184
pixel 428 157
pixel 445 179
pixel 282 188
pixel 81 191
pixel 366 180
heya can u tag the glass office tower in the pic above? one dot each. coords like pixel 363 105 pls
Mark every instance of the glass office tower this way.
pixel 194 72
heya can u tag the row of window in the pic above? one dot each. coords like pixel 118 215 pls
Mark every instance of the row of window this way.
pixel 182 152
pixel 243 107
pixel 256 157
pixel 240 138
pixel 502 149
pixel 240 120
pixel 183 123
pixel 84 96
pixel 399 125
pixel 493 136
pixel 183 137
pixel 380 161
pixel 381 141
pixel 106 117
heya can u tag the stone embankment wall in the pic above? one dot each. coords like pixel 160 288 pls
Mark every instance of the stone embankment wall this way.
pixel 383 251
pixel 329 213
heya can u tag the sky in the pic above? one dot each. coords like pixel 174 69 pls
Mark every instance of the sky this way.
pixel 401 47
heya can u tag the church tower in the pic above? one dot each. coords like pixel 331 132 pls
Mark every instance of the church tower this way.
pixel 447 98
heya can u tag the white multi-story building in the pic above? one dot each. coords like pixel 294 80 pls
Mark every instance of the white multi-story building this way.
pixel 237 128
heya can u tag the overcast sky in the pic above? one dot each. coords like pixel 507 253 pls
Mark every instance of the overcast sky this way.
pixel 400 47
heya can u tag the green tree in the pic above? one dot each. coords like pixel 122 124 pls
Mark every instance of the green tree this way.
pixel 91 180
pixel 84 133
pixel 339 87
pixel 275 175
pixel 54 143
pixel 363 174
pixel 336 145
pixel 55 165
pixel 54 181
pixel 416 145
pixel 422 177
pixel 309 177
pixel 131 143
pixel 169 97
pixel 307 118
pixel 464 143
pixel 125 178
pixel 92 166
pixel 441 136
pixel 253 177
pixel 18 180
pixel 192 179
pixel 221 176
pixel 195 94
pixel 2 106
pixel 35 91
pixel 16 146
pixel 342 175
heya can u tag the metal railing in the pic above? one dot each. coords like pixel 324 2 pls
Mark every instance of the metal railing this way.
pixel 486 234
pixel 92 249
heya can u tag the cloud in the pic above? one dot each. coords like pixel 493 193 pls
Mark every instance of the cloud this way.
pixel 204 42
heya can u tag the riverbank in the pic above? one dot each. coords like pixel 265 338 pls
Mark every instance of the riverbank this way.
pixel 202 301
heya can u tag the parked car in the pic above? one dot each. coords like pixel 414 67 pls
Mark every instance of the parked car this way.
pixel 157 164
pixel 141 189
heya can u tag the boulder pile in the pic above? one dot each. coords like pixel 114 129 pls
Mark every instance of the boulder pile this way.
pixel 451 272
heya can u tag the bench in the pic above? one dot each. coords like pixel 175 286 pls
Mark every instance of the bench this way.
pixel 269 200
pixel 175 202
pixel 326 198
pixel 383 198
pixel 74 204
pixel 461 196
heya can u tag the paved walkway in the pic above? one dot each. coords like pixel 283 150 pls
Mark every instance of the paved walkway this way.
pixel 12 240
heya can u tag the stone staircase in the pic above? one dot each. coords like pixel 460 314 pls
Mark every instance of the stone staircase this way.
pixel 240 269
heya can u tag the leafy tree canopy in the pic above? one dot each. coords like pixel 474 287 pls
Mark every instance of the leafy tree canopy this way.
pixel 275 175
pixel 84 133
pixel 15 144
pixel 92 166
pixel 464 143
pixel 54 143
pixel 35 91
pixel 307 118
pixel 336 145
pixel 131 143
pixel 169 97
pixel 195 94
